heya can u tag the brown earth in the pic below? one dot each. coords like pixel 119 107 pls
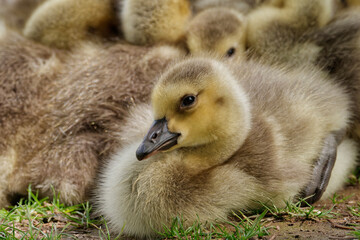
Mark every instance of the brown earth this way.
pixel 338 227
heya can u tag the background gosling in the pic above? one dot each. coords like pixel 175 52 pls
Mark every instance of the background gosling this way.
pixel 220 31
pixel 339 55
pixel 277 32
pixel 65 23
pixel 243 6
pixel 61 112
pixel 150 22
pixel 16 12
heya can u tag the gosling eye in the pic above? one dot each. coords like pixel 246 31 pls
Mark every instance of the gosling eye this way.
pixel 230 52
pixel 187 101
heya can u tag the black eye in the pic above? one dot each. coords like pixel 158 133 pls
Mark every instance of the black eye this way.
pixel 230 52
pixel 188 101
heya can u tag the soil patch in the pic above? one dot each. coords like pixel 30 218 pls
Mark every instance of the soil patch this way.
pixel 340 226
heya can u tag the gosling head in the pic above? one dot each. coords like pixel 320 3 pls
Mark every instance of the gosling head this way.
pixel 197 104
pixel 220 31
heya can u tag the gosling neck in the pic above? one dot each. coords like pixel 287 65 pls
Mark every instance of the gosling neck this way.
pixel 200 158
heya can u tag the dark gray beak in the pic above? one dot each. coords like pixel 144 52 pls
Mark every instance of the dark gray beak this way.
pixel 158 139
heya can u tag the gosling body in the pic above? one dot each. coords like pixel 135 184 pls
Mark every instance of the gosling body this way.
pixel 339 42
pixel 243 7
pixel 276 31
pixel 16 12
pixel 151 22
pixel 65 23
pixel 248 138
pixel 60 112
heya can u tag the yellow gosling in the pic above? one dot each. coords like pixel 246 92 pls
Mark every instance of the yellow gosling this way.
pixel 224 139
pixel 66 23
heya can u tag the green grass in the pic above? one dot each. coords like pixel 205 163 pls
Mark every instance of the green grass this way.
pixel 308 212
pixel 356 234
pixel 337 199
pixel 355 210
pixel 35 218
pixel 242 229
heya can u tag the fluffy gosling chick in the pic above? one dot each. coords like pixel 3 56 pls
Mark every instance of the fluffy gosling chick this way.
pixel 15 12
pixel 217 30
pixel 64 23
pixel 60 114
pixel 150 22
pixel 244 6
pixel 26 69
pixel 225 139
pixel 277 31
pixel 339 42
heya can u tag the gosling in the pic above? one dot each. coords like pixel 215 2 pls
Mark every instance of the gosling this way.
pixel 223 139
pixel 65 23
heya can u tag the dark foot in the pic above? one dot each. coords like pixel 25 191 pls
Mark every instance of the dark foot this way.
pixel 322 169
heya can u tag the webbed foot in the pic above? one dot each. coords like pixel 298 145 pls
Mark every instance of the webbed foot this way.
pixel 322 168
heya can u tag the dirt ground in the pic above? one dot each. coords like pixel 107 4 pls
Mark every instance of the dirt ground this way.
pixel 339 227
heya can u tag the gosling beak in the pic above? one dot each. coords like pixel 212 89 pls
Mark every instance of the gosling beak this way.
pixel 158 139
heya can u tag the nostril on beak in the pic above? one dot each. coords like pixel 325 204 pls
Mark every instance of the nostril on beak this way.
pixel 154 136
